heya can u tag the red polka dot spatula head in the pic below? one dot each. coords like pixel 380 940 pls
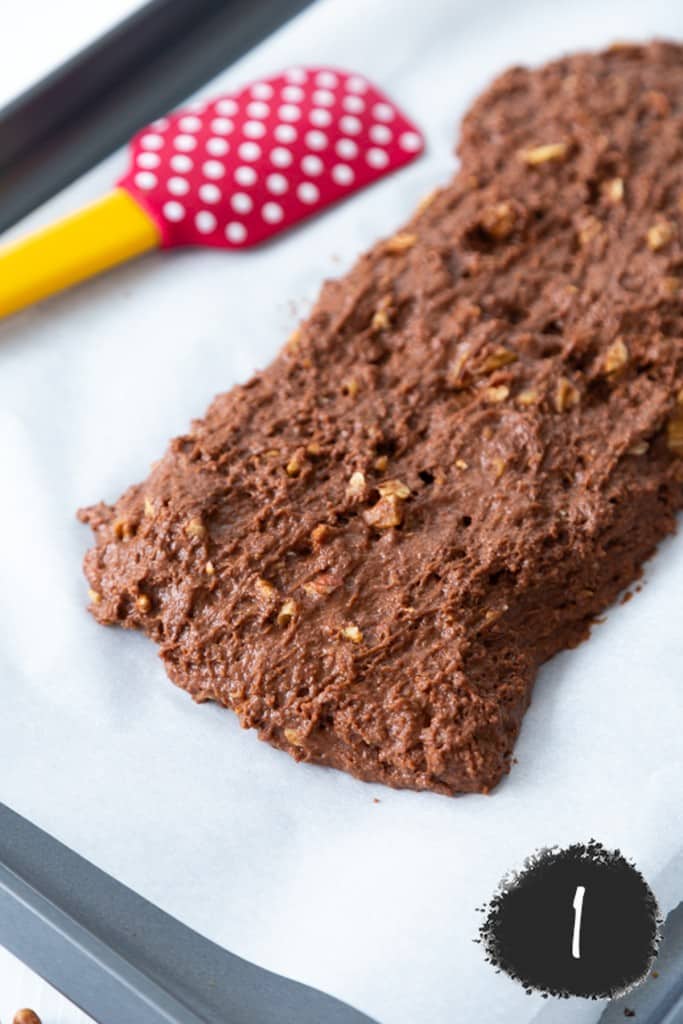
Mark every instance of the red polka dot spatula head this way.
pixel 228 173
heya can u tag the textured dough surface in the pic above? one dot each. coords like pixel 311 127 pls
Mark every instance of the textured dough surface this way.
pixel 456 462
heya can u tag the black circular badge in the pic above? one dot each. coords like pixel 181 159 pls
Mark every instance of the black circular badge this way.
pixel 580 921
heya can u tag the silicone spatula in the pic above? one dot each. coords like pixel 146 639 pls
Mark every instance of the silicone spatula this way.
pixel 228 173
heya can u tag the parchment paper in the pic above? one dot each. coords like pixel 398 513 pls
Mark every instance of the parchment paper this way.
pixel 296 867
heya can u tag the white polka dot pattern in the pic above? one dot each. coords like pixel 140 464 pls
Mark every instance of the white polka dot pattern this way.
pixel 411 142
pixel 178 186
pixel 145 180
pixel 181 163
pixel 242 203
pixel 320 118
pixel 289 112
pixel 285 133
pixel 262 90
pixel 293 94
pixel 272 213
pixel 222 125
pixel 209 193
pixel 277 184
pixel 148 160
pixel 236 170
pixel 185 143
pixel 354 104
pixel 381 134
pixel 312 164
pixel 351 125
pixel 346 148
pixel 152 141
pixel 174 212
pixel 236 232
pixel 213 169
pixel 281 157
pixel 308 192
pixel 218 147
pixel 227 107
pixel 377 157
pixel 316 139
pixel 342 174
pixel 246 176
pixel 191 123
pixel 205 222
pixel 254 129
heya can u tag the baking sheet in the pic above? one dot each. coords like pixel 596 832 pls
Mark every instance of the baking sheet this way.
pixel 294 867
pixel 27 54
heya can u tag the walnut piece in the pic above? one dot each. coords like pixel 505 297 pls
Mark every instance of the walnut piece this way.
pixel 674 430
pixel 499 220
pixel 265 589
pixel 614 190
pixel 394 487
pixel 544 154
pixel 590 228
pixel 457 375
pixel 400 242
pixel 387 513
pixel 566 395
pixel 94 596
pixel 461 464
pixel 426 200
pixel 527 397
pixel 381 463
pixel 497 394
pixel 356 485
pixel 319 534
pixel 26 1016
pixel 122 529
pixel 500 357
pixel 195 528
pixel 352 633
pixel 322 585
pixel 659 235
pixel 383 314
pixel 292 343
pixel 209 569
pixel 616 357
pixel 293 467
pixel 498 464
pixel 293 737
pixel 287 612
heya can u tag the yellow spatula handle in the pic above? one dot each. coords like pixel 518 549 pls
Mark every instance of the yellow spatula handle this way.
pixel 107 232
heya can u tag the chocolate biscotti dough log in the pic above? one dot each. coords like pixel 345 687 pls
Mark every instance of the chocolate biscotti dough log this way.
pixel 454 465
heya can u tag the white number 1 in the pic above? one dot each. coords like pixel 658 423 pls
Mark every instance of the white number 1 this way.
pixel 578 909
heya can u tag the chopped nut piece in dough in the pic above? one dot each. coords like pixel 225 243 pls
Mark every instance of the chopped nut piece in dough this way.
pixel 544 154
pixel 566 395
pixel 400 242
pixel 352 633
pixel 287 612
